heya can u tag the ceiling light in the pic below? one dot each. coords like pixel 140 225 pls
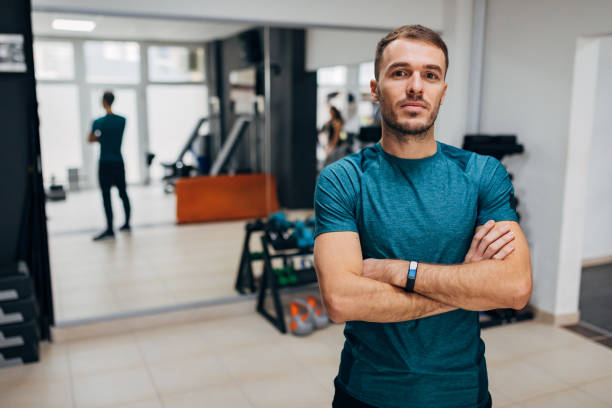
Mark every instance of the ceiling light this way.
pixel 73 25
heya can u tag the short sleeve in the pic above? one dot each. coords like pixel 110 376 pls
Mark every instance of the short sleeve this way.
pixel 335 201
pixel 495 194
pixel 95 125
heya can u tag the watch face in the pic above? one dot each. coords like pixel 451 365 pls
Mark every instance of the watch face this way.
pixel 412 274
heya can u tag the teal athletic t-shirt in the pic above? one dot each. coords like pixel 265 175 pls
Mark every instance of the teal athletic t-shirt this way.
pixel 110 128
pixel 424 210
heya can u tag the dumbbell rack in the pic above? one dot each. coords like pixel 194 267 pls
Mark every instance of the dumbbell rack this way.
pixel 19 333
pixel 269 281
pixel 245 279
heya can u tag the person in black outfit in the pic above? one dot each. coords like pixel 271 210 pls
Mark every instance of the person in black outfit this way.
pixel 108 131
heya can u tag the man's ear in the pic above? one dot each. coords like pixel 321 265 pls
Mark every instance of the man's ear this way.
pixel 374 90
pixel 443 93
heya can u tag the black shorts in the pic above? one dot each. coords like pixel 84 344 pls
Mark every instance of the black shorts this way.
pixel 111 174
pixel 342 399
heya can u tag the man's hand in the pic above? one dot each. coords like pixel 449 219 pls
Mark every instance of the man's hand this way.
pixel 490 242
pixel 93 136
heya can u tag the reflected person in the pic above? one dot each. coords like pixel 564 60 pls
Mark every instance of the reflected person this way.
pixel 108 131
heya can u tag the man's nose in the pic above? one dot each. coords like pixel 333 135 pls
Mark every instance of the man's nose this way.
pixel 415 84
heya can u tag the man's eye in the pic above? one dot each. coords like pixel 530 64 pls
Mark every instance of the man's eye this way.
pixel 399 73
pixel 431 75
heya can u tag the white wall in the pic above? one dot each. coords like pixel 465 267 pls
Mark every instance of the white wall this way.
pixel 528 67
pixel 451 125
pixel 598 215
pixel 328 47
pixel 336 13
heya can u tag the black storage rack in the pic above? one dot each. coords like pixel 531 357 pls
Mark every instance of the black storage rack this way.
pixel 268 279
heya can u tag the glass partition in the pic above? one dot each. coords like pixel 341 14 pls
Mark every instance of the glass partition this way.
pixel 175 64
pixel 60 136
pixel 54 60
pixel 112 62
pixel 174 111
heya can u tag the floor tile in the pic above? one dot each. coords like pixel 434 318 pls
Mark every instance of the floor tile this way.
pixel 53 365
pixel 89 357
pixel 527 338
pixel 118 387
pixel 219 396
pixel 189 374
pixel 173 342
pixel 572 398
pixel 29 393
pixel 297 388
pixel 266 360
pixel 600 389
pixel 149 403
pixel 520 380
pixel 581 363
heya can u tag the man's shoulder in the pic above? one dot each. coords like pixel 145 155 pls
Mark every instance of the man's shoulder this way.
pixel 462 158
pixel 116 118
pixel 469 162
pixel 352 165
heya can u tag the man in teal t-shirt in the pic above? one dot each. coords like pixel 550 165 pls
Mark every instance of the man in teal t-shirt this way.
pixel 108 131
pixel 413 238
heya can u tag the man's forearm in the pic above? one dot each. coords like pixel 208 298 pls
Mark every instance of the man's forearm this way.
pixel 480 285
pixel 360 298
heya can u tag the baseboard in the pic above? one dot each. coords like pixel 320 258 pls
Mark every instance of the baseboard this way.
pixel 602 260
pixel 567 319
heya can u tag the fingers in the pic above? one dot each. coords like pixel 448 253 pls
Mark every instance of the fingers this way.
pixel 496 246
pixel 504 252
pixel 481 232
pixel 489 239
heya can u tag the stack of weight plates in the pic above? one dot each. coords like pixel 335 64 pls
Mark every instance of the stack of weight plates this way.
pixel 19 335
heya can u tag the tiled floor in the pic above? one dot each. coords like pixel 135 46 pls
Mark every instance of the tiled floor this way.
pixel 158 264
pixel 82 211
pixel 242 361
pixel 148 268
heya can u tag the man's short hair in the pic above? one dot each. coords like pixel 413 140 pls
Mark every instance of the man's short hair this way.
pixel 412 32
pixel 108 98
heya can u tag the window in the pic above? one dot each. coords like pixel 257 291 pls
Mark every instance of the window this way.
pixel 114 62
pixel 334 76
pixel 366 73
pixel 331 91
pixel 60 134
pixel 54 60
pixel 171 123
pixel 368 109
pixel 175 64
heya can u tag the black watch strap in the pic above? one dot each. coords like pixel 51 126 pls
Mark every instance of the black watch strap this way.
pixel 411 277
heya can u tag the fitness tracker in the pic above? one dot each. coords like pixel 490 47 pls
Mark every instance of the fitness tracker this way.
pixel 411 278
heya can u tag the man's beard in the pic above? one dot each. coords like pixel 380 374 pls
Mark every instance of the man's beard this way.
pixel 389 116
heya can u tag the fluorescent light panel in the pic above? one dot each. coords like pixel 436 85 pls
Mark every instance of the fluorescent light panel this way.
pixel 73 25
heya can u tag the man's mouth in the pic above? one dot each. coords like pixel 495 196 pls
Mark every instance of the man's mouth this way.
pixel 413 106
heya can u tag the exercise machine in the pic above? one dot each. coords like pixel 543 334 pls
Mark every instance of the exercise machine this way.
pixel 178 168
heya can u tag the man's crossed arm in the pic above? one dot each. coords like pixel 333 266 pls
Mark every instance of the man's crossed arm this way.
pixel 496 274
pixel 93 136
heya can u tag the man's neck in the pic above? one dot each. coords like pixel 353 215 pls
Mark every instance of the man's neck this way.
pixel 109 111
pixel 408 146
